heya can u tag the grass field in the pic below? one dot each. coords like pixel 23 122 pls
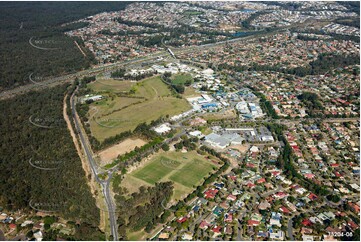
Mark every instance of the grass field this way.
pixel 186 170
pixel 155 171
pixel 151 99
pixel 191 173
pixel 181 78
pixel 111 85
pixel 190 92
pixel 228 114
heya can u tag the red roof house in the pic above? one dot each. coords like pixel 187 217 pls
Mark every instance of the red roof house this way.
pixel 182 220
pixel 253 222
pixel 306 222
pixel 312 196
pixel 210 193
pixel 283 209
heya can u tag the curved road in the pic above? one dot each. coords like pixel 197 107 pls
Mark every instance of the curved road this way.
pixel 93 166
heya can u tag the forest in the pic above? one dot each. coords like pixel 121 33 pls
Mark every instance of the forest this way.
pixel 312 103
pixel 142 209
pixel 41 21
pixel 39 165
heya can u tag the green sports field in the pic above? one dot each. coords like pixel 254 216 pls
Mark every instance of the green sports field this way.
pixel 192 172
pixel 186 170
pixel 156 170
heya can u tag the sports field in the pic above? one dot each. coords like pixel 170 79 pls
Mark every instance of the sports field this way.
pixel 150 99
pixel 186 170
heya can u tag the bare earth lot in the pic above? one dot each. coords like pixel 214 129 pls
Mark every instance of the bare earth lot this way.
pixel 107 155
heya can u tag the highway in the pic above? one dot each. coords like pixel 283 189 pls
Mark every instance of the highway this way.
pixel 53 81
pixel 89 154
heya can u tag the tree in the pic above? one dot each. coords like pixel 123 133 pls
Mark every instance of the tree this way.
pixel 165 147
pixel 167 75
pixel 179 88
pixel 118 73
pixel 188 83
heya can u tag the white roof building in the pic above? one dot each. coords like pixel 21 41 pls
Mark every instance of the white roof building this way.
pixel 208 72
pixel 279 235
pixel 196 133
pixel 163 128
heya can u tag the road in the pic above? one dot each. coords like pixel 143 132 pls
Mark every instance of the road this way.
pixel 53 81
pixel 89 154
pixel 240 230
pixel 290 221
pixel 105 185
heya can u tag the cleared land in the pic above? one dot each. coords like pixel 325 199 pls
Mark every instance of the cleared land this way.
pixel 241 148
pixel 186 170
pixel 151 99
pixel 190 92
pixel 227 114
pixel 107 155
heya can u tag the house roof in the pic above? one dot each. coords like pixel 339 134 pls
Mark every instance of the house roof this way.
pixel 217 229
pixel 306 222
pixel 253 222
pixel 203 224
pixel 182 220
pixel 284 209
pixel 211 193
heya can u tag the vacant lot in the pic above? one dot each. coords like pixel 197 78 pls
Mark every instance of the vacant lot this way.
pixel 186 170
pixel 190 92
pixel 227 114
pixel 150 100
pixel 107 155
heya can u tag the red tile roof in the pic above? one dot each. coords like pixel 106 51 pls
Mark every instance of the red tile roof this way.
pixel 211 193
pixel 284 209
pixel 182 220
pixel 253 223
pixel 217 229
pixel 306 222
pixel 231 197
pixel 312 196
pixel 203 224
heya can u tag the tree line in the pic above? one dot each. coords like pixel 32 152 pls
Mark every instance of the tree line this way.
pixel 142 209
pixel 286 160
